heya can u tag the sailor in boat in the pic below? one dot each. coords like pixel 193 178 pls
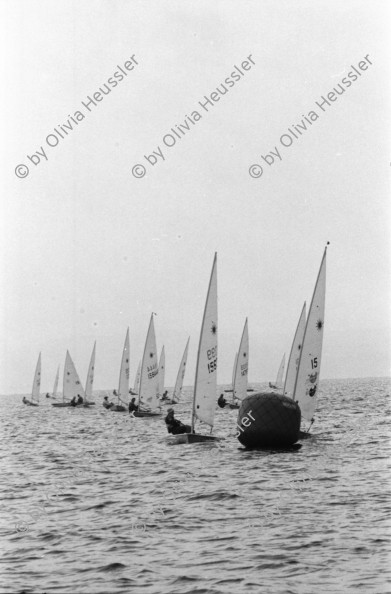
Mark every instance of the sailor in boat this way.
pixel 73 401
pixel 25 401
pixel 173 425
pixel 79 399
pixel 47 395
pixel 165 396
pixel 132 405
pixel 272 386
pixel 106 402
pixel 221 401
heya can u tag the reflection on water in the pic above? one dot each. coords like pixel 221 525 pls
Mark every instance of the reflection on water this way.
pixel 97 502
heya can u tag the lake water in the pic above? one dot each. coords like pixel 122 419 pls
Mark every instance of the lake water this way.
pixel 96 502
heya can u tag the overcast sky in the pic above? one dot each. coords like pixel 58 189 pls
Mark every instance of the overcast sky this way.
pixel 89 249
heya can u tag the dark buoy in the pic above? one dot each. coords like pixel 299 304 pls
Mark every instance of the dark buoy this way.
pixel 267 419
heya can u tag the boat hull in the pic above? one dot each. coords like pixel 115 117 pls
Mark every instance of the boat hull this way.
pixel 117 408
pixel 145 414
pixel 267 420
pixel 69 405
pixel 31 403
pixel 191 438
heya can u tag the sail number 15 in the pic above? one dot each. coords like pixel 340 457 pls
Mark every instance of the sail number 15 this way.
pixel 314 363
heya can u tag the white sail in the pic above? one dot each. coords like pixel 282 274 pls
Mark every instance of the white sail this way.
pixel 181 374
pixel 72 384
pixel 56 382
pixel 90 375
pixel 37 381
pixel 234 370
pixel 294 356
pixel 149 378
pixel 241 371
pixel 280 373
pixel 162 371
pixel 123 384
pixel 307 380
pixel 137 378
pixel 204 399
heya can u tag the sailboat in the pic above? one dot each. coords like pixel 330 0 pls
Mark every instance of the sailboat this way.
pixel 72 387
pixel 204 397
pixel 134 392
pixel 162 372
pixel 276 417
pixel 293 362
pixel 56 383
pixel 123 384
pixel 90 377
pixel 148 402
pixel 278 385
pixel 179 378
pixel 36 385
pixel 241 369
pixel 307 378
pixel 233 374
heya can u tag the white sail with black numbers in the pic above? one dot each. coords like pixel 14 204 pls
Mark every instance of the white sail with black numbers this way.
pixel 72 385
pixel 307 380
pixel 241 371
pixel 181 374
pixel 149 378
pixel 123 384
pixel 37 381
pixel 204 399
pixel 293 363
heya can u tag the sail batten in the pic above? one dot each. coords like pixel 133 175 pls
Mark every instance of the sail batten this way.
pixel 307 379
pixel 204 399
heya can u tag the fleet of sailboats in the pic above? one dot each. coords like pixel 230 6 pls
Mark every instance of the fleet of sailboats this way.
pixel 301 382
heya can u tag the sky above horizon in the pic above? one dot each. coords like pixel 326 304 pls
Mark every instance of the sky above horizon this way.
pixel 89 249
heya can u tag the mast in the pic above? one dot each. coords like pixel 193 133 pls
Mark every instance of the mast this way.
pixel 292 354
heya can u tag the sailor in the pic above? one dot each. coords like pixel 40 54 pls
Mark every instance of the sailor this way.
pixel 106 402
pixel 132 405
pixel 73 401
pixel 221 401
pixel 165 395
pixel 47 395
pixel 25 401
pixel 79 399
pixel 173 425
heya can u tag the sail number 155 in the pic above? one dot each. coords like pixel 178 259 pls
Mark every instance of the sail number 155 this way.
pixel 212 366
